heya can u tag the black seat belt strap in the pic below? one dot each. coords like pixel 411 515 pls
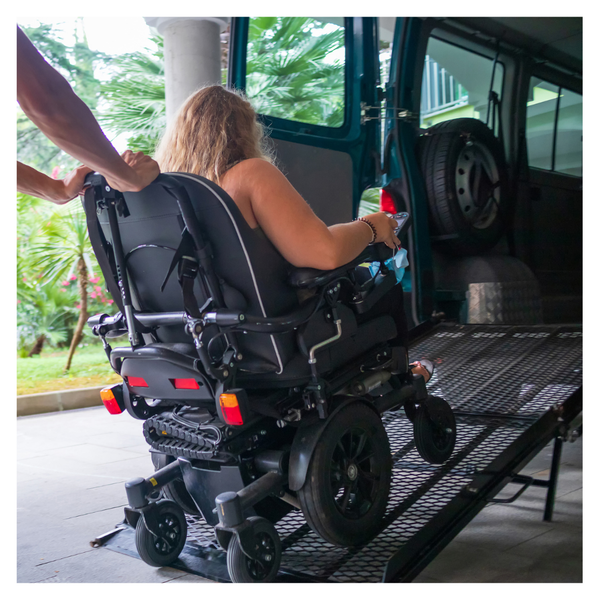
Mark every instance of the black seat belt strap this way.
pixel 187 272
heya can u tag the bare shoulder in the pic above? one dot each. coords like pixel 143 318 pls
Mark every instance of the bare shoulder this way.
pixel 256 178
pixel 254 167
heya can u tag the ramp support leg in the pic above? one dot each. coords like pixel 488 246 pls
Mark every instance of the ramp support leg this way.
pixel 553 481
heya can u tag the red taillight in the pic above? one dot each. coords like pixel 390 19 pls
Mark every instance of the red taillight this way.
pixel 386 202
pixel 137 382
pixel 109 400
pixel 231 409
pixel 185 384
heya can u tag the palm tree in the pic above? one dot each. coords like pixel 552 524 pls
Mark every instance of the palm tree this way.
pixel 65 249
pixel 45 317
pixel 292 72
pixel 134 99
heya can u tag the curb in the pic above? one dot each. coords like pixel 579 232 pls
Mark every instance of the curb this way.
pixel 34 404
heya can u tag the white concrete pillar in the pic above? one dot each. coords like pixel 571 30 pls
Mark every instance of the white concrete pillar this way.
pixel 192 55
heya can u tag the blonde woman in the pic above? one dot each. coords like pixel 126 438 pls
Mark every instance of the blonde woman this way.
pixel 216 135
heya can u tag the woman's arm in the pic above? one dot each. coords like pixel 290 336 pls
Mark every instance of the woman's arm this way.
pixel 299 235
pixel 48 100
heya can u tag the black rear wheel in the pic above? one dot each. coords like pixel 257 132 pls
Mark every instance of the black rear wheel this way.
pixel 347 485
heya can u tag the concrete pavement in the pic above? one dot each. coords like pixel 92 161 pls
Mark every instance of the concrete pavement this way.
pixel 71 467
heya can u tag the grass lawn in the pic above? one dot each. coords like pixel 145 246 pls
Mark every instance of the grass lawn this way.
pixel 89 368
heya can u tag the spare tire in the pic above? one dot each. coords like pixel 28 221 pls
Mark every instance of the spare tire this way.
pixel 467 186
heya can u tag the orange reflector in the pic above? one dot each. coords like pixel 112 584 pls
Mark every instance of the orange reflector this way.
pixel 231 409
pixel 109 400
pixel 185 384
pixel 386 203
pixel 137 382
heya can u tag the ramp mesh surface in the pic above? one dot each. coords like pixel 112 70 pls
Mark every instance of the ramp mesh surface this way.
pixel 499 379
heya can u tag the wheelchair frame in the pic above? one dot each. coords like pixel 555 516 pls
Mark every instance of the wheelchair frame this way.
pixel 251 542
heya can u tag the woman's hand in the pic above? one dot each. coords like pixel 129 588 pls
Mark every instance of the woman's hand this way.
pixel 384 227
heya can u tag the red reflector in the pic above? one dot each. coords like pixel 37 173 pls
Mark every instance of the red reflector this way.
pixel 386 202
pixel 185 384
pixel 109 400
pixel 231 409
pixel 137 382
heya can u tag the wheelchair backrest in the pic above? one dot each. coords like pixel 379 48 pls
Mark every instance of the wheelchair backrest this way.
pixel 250 271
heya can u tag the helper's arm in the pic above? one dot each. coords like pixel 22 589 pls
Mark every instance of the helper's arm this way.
pixel 59 191
pixel 48 100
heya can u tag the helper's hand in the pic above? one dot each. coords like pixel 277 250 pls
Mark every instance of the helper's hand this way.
pixel 71 186
pixel 145 168
pixel 384 226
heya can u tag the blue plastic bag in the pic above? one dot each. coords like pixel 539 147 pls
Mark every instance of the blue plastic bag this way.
pixel 397 263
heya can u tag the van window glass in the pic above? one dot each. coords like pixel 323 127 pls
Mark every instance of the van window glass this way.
pixel 554 144
pixel 568 157
pixel 456 84
pixel 295 68
pixel 386 38
pixel 541 111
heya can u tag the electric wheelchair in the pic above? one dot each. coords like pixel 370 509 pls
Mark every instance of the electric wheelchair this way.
pixel 259 389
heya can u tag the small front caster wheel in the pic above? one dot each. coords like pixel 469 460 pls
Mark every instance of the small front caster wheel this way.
pixel 263 568
pixel 435 430
pixel 162 550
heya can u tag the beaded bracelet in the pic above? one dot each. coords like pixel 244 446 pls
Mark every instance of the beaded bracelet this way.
pixel 371 226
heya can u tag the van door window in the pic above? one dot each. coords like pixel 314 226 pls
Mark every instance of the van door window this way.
pixel 541 113
pixel 456 83
pixel 569 142
pixel 295 68
pixel 554 141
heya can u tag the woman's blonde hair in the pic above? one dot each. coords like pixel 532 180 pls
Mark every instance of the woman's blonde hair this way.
pixel 214 130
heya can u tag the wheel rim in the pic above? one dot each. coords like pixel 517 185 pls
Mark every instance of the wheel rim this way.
pixel 354 474
pixel 441 435
pixel 477 181
pixel 170 534
pixel 260 567
pixel 440 428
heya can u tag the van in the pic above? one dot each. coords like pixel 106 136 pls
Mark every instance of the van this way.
pixel 473 125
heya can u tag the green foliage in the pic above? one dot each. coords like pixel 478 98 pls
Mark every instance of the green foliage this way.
pixel 63 242
pixel 134 98
pixel 292 72
pixel 76 63
pixel 369 202
pixel 50 241
pixel 46 312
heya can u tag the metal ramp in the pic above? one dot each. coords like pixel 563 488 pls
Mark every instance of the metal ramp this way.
pixel 513 390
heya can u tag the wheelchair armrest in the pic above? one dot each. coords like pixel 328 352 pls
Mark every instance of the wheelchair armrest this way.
pixel 307 278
